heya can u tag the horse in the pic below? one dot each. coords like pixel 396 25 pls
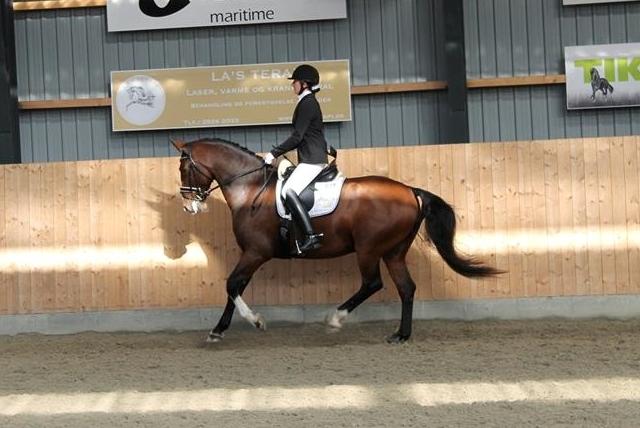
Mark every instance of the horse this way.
pixel 137 95
pixel 599 84
pixel 377 218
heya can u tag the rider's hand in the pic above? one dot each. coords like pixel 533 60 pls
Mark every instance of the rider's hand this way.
pixel 269 158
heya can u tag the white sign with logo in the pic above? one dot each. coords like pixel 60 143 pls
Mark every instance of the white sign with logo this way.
pixel 133 15
pixel 140 100
pixel 572 2
pixel 601 76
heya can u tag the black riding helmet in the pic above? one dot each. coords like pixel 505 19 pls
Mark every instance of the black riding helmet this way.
pixel 306 73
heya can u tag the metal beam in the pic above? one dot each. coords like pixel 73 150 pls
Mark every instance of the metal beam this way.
pixel 9 129
pixel 455 120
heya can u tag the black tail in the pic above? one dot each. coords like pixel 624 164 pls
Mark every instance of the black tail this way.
pixel 440 221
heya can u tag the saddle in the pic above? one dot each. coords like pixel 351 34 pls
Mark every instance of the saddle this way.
pixel 320 197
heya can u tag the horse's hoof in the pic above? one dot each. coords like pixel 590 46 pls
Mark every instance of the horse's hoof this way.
pixel 334 319
pixel 261 323
pixel 215 337
pixel 397 338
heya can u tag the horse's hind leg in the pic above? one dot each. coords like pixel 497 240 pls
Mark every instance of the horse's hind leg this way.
pixel 371 282
pixel 397 267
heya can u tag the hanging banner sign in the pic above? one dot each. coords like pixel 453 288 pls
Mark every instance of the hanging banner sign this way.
pixel 237 95
pixel 133 15
pixel 573 2
pixel 601 76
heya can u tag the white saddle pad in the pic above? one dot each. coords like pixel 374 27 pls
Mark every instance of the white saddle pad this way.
pixel 326 197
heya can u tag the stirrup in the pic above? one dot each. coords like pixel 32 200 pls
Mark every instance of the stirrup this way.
pixel 311 242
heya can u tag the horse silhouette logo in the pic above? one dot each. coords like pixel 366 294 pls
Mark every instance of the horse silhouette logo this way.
pixel 137 95
pixel 140 100
pixel 599 84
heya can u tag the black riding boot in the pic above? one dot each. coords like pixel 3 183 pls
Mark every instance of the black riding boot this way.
pixel 301 216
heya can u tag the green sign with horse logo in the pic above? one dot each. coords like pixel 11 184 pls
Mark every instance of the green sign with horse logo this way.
pixel 601 76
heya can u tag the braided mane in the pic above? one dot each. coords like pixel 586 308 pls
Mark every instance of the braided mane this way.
pixel 227 142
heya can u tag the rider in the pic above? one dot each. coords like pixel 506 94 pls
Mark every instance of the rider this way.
pixel 308 138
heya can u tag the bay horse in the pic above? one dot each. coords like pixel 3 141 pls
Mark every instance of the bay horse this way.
pixel 376 217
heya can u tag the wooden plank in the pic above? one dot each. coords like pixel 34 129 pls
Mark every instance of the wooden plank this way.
pixel 159 202
pixel 121 275
pixel 13 233
pixel 605 205
pixel 525 191
pixel 35 196
pixel 96 238
pixel 389 88
pixel 540 219
pixel 30 5
pixel 71 239
pixel 445 166
pixel 460 194
pixel 632 199
pixel 618 204
pixel 553 220
pixel 5 276
pixel 565 220
pixel 66 103
pixel 84 232
pixel 109 234
pixel 47 234
pixel 533 80
pixel 487 220
pixel 514 255
pixel 433 185
pixel 132 203
pixel 23 188
pixel 154 290
pixel 500 214
pixel 579 220
pixel 474 211
pixel 62 290
pixel 593 217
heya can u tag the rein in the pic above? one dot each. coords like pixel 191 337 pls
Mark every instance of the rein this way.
pixel 201 195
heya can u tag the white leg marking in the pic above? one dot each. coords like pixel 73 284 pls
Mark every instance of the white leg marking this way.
pixel 335 318
pixel 245 310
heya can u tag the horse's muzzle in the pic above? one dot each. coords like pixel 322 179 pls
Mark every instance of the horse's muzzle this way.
pixel 194 207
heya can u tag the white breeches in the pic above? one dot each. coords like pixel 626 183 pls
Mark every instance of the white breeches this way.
pixel 302 176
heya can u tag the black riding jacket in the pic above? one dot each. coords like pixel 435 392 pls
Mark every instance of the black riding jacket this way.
pixel 307 135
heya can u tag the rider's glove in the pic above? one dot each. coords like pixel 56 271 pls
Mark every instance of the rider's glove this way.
pixel 269 158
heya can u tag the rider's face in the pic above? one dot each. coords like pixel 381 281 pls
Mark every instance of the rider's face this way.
pixel 297 86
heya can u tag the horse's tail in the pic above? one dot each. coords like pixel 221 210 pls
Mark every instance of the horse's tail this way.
pixel 610 87
pixel 440 222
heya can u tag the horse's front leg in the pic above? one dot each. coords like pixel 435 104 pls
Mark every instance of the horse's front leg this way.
pixel 236 284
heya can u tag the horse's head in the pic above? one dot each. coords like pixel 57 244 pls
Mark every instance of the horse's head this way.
pixel 594 74
pixel 195 179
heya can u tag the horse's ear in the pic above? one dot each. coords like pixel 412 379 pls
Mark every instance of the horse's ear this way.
pixel 178 144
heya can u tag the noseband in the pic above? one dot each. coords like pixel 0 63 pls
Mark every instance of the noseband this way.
pixel 195 193
pixel 200 194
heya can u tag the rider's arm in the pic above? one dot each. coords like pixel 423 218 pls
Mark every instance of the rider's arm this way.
pixel 300 126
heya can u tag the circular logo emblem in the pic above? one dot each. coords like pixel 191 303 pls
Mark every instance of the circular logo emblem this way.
pixel 140 100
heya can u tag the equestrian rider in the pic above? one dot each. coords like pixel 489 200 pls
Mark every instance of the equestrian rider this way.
pixel 308 138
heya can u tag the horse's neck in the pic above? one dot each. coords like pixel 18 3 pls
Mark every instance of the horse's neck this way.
pixel 237 190
pixel 230 162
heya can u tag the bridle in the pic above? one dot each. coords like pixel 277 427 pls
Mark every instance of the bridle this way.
pixel 199 194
